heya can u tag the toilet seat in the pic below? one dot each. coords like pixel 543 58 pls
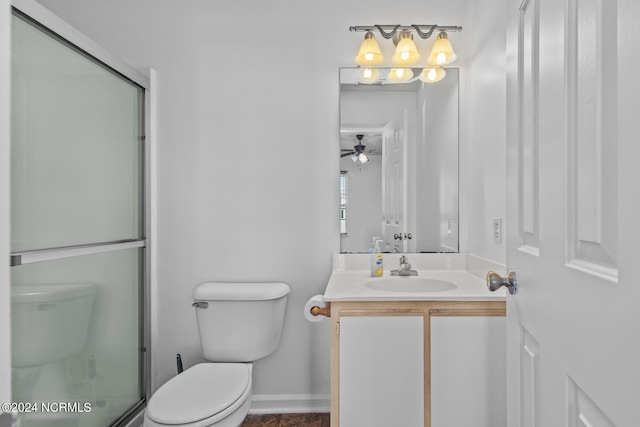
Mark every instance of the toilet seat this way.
pixel 200 396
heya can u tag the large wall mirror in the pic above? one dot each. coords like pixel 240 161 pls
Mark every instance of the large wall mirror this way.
pixel 399 164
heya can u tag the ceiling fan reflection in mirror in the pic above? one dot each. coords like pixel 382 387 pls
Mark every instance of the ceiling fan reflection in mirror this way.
pixel 359 151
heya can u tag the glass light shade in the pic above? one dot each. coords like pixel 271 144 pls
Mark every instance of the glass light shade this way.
pixel 354 157
pixel 363 158
pixel 369 53
pixel 368 75
pixel 399 75
pixel 406 52
pixel 442 52
pixel 432 74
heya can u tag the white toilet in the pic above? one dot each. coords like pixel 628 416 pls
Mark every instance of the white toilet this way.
pixel 238 324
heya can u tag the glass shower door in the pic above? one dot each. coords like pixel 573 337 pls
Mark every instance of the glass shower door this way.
pixel 78 241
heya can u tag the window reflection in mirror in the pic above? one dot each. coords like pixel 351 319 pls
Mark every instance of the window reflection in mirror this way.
pixel 399 164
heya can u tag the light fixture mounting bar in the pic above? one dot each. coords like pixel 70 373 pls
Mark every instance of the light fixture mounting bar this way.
pixel 388 31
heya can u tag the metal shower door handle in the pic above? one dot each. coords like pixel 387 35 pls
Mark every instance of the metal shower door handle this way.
pixel 496 281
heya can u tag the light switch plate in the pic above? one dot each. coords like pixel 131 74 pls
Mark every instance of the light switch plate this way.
pixel 497 231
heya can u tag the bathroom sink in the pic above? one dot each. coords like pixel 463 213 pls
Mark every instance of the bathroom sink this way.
pixel 410 284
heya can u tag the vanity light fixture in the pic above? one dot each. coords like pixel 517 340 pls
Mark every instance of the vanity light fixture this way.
pixel 406 52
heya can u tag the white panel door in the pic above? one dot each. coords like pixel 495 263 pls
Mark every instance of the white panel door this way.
pixel 573 326
pixel 394 182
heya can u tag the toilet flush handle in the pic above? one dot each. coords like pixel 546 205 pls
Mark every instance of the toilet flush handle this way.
pixel 200 304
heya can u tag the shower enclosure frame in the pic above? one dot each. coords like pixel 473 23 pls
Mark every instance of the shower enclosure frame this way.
pixel 60 29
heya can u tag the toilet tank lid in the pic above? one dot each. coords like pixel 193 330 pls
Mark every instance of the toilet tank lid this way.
pixel 217 291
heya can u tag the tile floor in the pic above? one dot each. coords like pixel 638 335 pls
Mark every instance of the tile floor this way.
pixel 287 420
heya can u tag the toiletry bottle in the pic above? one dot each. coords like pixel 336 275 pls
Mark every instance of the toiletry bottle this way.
pixel 380 245
pixel 376 261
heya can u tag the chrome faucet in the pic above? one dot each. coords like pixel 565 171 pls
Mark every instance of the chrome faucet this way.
pixel 405 268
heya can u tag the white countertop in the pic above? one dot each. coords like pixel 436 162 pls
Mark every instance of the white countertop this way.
pixel 351 278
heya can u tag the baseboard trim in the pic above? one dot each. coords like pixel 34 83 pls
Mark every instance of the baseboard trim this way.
pixel 290 403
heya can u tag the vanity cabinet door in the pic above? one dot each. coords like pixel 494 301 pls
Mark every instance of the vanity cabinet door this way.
pixel 468 371
pixel 382 371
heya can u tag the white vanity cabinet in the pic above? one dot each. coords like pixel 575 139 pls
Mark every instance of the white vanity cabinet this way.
pixel 418 363
pixel 468 371
pixel 382 371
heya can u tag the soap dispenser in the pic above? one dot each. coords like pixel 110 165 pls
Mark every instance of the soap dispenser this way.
pixel 376 260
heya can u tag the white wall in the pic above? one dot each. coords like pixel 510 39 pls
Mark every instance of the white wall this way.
pixel 483 145
pixel 438 155
pixel 364 203
pixel 5 175
pixel 239 83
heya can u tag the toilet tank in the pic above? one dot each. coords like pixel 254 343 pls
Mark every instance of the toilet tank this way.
pixel 240 322
pixel 49 322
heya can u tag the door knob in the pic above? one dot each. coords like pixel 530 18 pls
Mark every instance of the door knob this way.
pixel 496 281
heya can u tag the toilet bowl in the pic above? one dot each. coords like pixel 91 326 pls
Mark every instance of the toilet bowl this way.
pixel 238 324
pixel 204 395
